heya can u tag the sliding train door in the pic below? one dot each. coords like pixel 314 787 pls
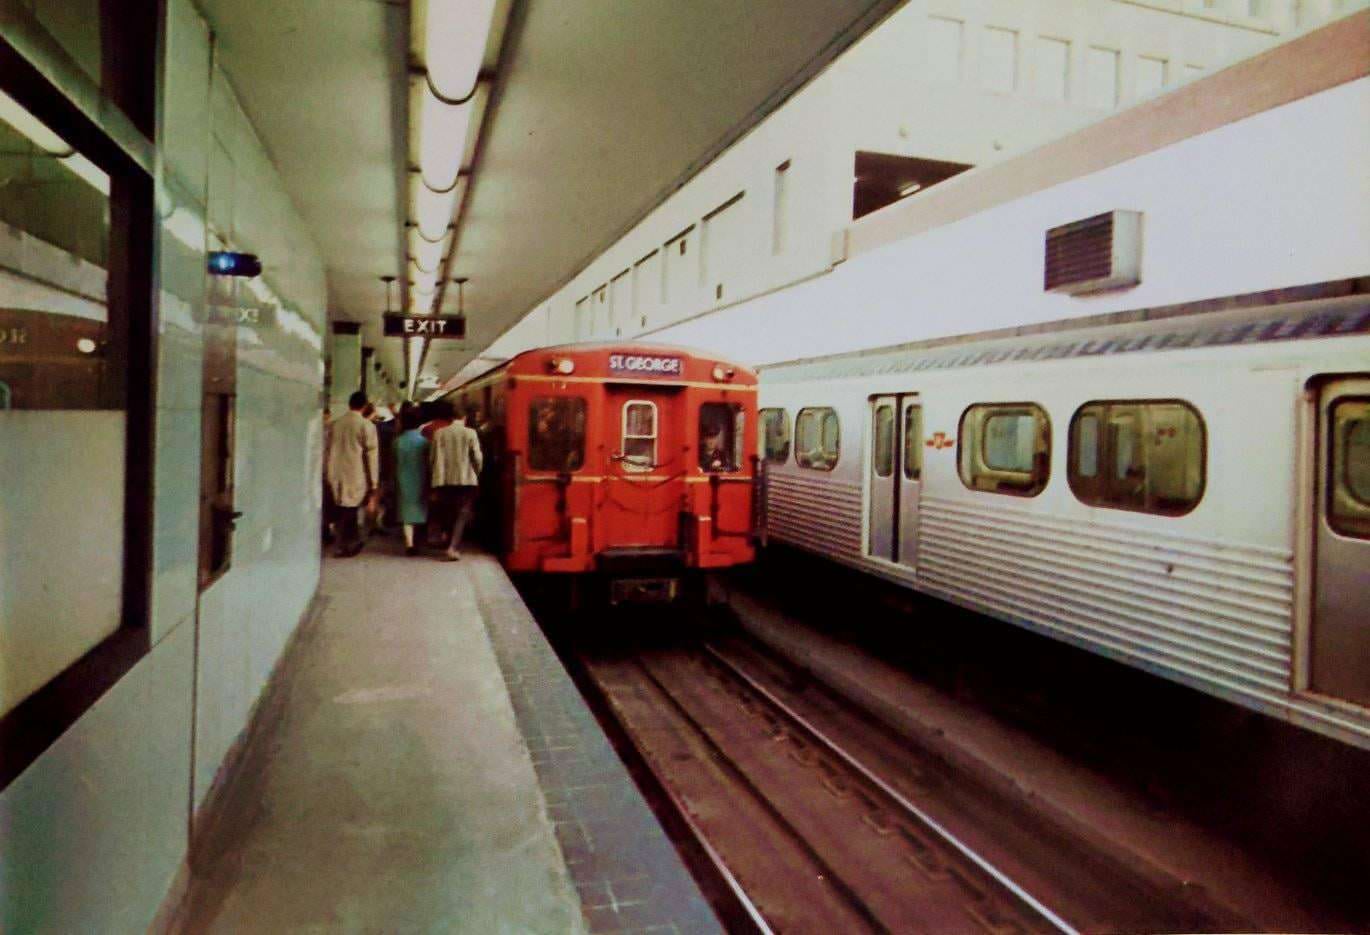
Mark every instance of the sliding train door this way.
pixel 894 476
pixel 884 484
pixel 1340 637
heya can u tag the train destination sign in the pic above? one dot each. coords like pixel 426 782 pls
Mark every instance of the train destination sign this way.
pixel 644 365
pixel 425 326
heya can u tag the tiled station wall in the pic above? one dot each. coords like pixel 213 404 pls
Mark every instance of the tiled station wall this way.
pixel 92 834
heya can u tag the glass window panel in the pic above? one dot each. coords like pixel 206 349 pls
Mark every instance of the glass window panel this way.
pixel 774 440
pixel 1008 442
pixel 556 433
pixel 639 436
pixel 641 419
pixel 720 436
pixel 817 438
pixel 1348 485
pixel 1005 448
pixel 1155 454
pixel 913 442
pixel 883 455
pixel 62 418
pixel 1087 446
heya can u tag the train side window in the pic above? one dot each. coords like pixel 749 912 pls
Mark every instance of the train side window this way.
pixel 882 445
pixel 1348 486
pixel 817 438
pixel 1005 448
pixel 774 435
pixel 913 443
pixel 1141 455
pixel 556 433
pixel 639 436
pixel 720 436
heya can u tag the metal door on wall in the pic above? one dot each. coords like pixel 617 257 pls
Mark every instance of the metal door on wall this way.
pixel 895 470
pixel 1340 636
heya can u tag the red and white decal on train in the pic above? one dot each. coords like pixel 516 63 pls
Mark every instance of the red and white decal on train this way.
pixel 644 365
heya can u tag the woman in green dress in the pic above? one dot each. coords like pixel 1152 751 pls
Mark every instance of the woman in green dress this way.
pixel 411 475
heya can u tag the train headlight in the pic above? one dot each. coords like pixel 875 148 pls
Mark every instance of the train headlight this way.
pixel 562 365
pixel 722 373
pixel 85 345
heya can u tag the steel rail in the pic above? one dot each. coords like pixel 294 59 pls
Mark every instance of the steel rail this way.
pixel 923 817
pixel 723 758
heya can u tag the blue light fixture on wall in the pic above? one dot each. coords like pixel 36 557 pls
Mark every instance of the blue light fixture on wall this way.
pixel 224 263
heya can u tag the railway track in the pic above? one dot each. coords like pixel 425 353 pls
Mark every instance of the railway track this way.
pixel 820 820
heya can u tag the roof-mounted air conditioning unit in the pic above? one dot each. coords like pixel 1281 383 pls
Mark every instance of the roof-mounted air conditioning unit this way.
pixel 1098 253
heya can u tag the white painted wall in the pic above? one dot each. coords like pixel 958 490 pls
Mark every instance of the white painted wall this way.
pixel 1272 201
pixel 901 90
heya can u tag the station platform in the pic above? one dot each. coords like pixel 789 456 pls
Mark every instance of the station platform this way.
pixel 423 763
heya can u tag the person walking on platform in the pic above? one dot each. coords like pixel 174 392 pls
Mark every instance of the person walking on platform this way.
pixel 456 473
pixel 411 476
pixel 353 471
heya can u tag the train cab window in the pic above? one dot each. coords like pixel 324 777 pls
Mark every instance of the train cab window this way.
pixel 817 438
pixel 1140 455
pixel 774 435
pixel 882 443
pixel 639 436
pixel 1005 448
pixel 1348 486
pixel 720 437
pixel 556 433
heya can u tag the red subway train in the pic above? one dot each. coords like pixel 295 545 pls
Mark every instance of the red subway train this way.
pixel 629 464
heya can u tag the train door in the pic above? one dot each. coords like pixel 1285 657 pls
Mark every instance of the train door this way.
pixel 910 477
pixel 644 466
pixel 1340 636
pixel 895 469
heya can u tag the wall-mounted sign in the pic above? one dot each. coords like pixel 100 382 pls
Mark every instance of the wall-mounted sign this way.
pixel 425 326
pixel 644 365
pixel 251 316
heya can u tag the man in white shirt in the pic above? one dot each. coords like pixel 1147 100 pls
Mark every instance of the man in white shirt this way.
pixel 353 471
pixel 457 462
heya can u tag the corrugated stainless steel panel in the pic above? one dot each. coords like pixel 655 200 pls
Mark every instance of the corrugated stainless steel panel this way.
pixel 820 514
pixel 1220 611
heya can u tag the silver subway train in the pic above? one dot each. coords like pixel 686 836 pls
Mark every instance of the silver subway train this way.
pixel 1185 490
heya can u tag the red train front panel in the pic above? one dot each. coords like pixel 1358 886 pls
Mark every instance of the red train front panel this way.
pixel 628 457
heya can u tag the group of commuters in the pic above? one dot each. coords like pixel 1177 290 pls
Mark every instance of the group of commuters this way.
pixel 427 476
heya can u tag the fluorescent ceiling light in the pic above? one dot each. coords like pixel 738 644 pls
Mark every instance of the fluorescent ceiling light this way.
pixel 909 189
pixel 49 142
pixel 34 129
pixel 456 32
pixel 427 255
pixel 433 210
pixel 442 139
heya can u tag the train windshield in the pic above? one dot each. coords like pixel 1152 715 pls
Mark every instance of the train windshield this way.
pixel 556 433
pixel 720 437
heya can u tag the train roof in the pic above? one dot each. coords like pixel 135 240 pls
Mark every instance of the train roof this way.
pixel 594 349
pixel 1170 328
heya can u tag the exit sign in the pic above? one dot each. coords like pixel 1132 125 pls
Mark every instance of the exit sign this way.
pixel 425 326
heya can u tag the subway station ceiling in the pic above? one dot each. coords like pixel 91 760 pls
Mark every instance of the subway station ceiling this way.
pixel 600 109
